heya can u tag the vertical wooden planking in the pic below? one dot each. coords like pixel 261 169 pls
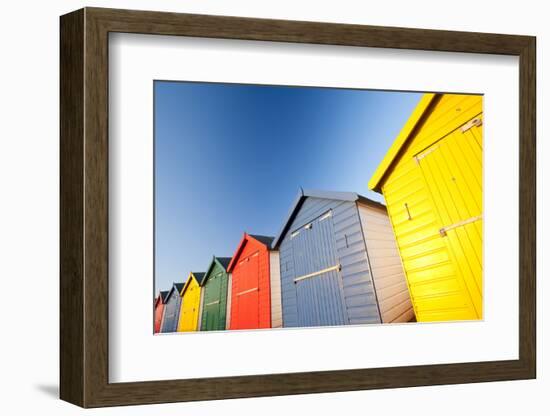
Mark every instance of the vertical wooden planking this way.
pixel 214 303
pixel 251 285
pixel 353 299
pixel 434 198
pixel 171 311
pixel 190 305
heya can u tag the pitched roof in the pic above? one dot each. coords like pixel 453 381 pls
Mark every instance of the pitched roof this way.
pixel 161 297
pixel 222 261
pixel 262 239
pixel 304 194
pixel 198 276
pixel 401 140
pixel 175 286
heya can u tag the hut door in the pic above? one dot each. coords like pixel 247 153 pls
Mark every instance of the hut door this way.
pixel 453 174
pixel 212 303
pixel 188 309
pixel 319 294
pixel 170 319
pixel 247 297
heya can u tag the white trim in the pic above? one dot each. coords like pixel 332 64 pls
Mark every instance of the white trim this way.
pixel 244 292
pixel 338 267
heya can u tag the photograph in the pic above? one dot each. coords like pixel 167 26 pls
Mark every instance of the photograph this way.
pixel 281 206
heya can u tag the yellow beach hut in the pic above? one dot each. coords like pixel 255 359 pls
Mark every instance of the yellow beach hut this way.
pixel 431 179
pixel 190 303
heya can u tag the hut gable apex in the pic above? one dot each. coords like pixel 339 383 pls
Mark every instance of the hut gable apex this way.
pixel 176 287
pixel 401 140
pixel 196 276
pixel 248 238
pixel 222 262
pixel 161 297
pixel 310 193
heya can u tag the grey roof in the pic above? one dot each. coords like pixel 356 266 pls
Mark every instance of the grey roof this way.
pixel 163 295
pixel 224 261
pixel 303 194
pixel 263 239
pixel 199 276
pixel 175 286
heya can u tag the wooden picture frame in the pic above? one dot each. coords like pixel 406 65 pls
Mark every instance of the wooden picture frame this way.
pixel 84 207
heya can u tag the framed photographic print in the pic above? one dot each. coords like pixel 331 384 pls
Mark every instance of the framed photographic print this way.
pixel 256 207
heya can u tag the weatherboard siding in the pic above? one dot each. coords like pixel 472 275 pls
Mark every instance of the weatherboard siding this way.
pixel 385 263
pixel 171 313
pixel 358 302
pixel 275 283
pixel 436 183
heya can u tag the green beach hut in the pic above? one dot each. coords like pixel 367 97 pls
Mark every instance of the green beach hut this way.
pixel 214 295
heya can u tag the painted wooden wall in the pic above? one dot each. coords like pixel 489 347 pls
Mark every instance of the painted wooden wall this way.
pixel 338 297
pixel 275 287
pixel 250 289
pixel 433 192
pixel 190 305
pixel 228 313
pixel 390 283
pixel 159 312
pixel 214 306
pixel 171 312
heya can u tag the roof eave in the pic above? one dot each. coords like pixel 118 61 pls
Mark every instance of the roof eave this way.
pixel 184 288
pixel 237 252
pixel 288 220
pixel 298 201
pixel 207 273
pixel 400 141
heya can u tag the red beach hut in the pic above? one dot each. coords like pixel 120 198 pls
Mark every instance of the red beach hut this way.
pixel 160 300
pixel 255 284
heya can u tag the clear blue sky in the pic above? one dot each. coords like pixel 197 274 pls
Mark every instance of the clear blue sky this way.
pixel 231 158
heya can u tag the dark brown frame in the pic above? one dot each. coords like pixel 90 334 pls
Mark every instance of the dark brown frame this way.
pixel 84 209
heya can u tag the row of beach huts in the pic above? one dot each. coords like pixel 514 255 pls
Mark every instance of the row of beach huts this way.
pixel 341 258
